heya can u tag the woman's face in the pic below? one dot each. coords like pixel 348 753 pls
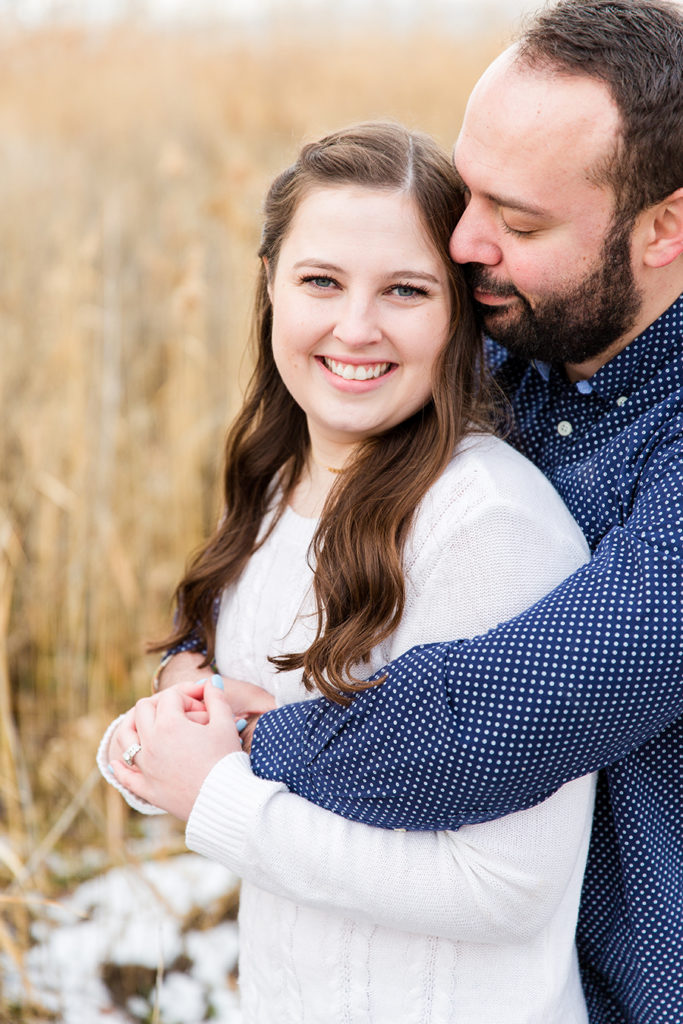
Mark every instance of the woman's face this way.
pixel 361 311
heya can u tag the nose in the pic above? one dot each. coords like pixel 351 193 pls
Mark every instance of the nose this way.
pixel 357 322
pixel 473 240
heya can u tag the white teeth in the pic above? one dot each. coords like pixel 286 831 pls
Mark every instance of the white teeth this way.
pixel 350 372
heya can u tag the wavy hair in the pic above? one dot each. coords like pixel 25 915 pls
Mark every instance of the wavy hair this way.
pixel 357 550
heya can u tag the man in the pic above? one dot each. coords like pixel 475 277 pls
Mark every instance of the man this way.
pixel 571 157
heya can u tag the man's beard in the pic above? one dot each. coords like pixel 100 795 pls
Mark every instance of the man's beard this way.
pixel 571 326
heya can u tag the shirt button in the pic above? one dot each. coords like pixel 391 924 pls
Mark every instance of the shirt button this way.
pixel 564 428
pixel 622 400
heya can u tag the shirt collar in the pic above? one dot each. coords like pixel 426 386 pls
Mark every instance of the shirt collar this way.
pixel 659 344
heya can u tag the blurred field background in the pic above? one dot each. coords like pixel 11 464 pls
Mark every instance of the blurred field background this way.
pixel 133 161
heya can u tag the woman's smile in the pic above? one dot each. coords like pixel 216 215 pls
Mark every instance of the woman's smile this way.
pixel 356 371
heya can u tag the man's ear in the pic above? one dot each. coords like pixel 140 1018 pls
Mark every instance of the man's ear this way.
pixel 664 240
pixel 269 283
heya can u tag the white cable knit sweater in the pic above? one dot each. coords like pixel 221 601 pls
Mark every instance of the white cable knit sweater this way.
pixel 341 923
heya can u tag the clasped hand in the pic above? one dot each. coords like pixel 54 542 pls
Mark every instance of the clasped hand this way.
pixel 183 731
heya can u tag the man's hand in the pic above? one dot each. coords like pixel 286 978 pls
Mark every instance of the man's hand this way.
pixel 184 667
pixel 246 699
pixel 248 703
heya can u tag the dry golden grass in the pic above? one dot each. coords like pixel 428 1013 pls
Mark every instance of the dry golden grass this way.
pixel 133 167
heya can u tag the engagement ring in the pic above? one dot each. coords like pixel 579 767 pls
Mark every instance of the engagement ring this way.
pixel 129 755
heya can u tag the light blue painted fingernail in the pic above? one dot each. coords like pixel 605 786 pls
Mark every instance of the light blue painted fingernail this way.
pixel 241 724
pixel 217 682
pixel 110 768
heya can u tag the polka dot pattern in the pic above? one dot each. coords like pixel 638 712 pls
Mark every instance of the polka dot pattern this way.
pixel 591 676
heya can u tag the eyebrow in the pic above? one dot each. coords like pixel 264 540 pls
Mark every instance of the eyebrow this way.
pixel 509 202
pixel 334 269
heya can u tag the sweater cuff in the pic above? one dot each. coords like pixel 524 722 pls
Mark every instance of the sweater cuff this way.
pixel 226 809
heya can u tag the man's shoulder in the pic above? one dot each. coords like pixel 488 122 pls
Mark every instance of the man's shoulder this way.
pixel 495 354
pixel 507 369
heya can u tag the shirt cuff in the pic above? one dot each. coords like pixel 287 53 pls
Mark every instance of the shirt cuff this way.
pixel 287 741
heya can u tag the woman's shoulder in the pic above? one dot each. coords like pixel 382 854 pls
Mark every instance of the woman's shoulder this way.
pixel 486 475
pixel 487 469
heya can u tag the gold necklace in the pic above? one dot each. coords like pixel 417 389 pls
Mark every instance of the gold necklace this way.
pixel 329 469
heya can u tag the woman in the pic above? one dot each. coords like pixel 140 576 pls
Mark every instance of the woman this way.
pixel 368 509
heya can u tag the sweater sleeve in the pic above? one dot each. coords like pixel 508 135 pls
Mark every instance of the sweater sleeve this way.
pixel 503 879
pixel 499 881
pixel 576 682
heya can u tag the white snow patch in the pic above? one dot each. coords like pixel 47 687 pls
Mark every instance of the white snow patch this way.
pixel 133 916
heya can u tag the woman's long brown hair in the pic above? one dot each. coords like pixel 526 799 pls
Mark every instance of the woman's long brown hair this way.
pixel 357 550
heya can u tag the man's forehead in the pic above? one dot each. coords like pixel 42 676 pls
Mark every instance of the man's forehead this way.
pixel 517 116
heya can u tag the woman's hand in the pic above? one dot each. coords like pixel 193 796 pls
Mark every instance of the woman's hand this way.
pixel 179 745
pixel 122 737
pixel 125 733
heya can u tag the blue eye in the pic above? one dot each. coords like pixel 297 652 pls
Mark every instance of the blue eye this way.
pixel 407 291
pixel 319 281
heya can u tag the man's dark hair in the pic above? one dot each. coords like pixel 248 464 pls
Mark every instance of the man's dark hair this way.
pixel 636 48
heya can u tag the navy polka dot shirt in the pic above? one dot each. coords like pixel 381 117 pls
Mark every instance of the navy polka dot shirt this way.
pixel 591 676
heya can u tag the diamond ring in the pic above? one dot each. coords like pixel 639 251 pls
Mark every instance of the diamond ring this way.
pixel 129 755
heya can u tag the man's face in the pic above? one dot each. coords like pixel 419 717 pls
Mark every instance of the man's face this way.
pixel 549 267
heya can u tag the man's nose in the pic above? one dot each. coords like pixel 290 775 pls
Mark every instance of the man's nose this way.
pixel 473 239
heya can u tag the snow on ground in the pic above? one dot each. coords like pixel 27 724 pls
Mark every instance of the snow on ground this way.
pixel 127 926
